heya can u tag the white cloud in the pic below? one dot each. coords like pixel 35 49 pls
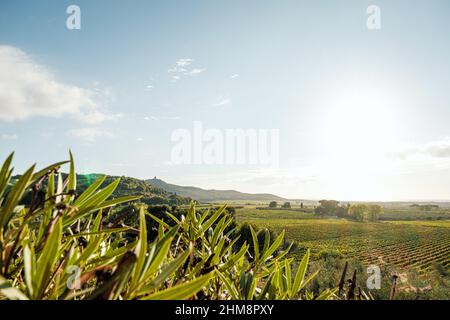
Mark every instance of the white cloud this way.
pixel 184 62
pixel 89 134
pixel 28 89
pixel 223 101
pixel 156 118
pixel 234 76
pixel 96 116
pixel 5 136
pixel 195 71
pixel 439 149
pixel 182 68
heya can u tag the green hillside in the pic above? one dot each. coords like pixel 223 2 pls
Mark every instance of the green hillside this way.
pixel 151 195
pixel 135 187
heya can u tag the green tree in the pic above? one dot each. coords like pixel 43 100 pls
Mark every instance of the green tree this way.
pixel 273 204
pixel 358 211
pixel 373 212
pixel 286 205
pixel 328 208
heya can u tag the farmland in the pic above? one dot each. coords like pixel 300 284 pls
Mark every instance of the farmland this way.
pixel 400 244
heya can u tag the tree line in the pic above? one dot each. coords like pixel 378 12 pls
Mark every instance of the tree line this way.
pixel 359 212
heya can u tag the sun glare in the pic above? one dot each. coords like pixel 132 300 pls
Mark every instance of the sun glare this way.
pixel 357 132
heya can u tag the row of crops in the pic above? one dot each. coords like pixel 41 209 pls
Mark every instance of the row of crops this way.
pixel 403 246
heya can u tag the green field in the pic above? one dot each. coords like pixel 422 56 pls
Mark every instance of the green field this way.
pixel 401 244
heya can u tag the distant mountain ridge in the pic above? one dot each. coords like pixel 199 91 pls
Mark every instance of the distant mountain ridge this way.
pixel 211 195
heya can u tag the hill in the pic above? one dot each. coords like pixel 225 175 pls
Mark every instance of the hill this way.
pixel 134 187
pixel 211 195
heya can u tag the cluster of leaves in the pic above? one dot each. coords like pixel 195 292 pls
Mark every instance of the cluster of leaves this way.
pixel 365 212
pixel 331 208
pixel 127 215
pixel 59 246
pixel 359 212
pixel 127 186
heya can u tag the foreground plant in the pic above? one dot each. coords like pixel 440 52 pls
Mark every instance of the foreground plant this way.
pixel 57 246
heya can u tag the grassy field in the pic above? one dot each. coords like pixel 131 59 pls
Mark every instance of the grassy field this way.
pixel 401 244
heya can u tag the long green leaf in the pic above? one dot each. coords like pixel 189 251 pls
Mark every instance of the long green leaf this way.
pixel 141 250
pixel 5 174
pixel 301 272
pixel 10 292
pixel 181 292
pixel 168 270
pixel 159 258
pixel 100 196
pixel 213 218
pixel 13 198
pixel 275 245
pixel 28 260
pixel 89 191
pixel 234 258
pixel 44 171
pixel 255 243
pixel 47 259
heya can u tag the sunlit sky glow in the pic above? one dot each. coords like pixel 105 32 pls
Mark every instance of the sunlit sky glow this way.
pixel 362 115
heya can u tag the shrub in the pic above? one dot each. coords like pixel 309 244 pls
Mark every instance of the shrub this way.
pixel 60 246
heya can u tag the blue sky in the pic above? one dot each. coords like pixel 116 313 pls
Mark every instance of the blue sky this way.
pixel 362 114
